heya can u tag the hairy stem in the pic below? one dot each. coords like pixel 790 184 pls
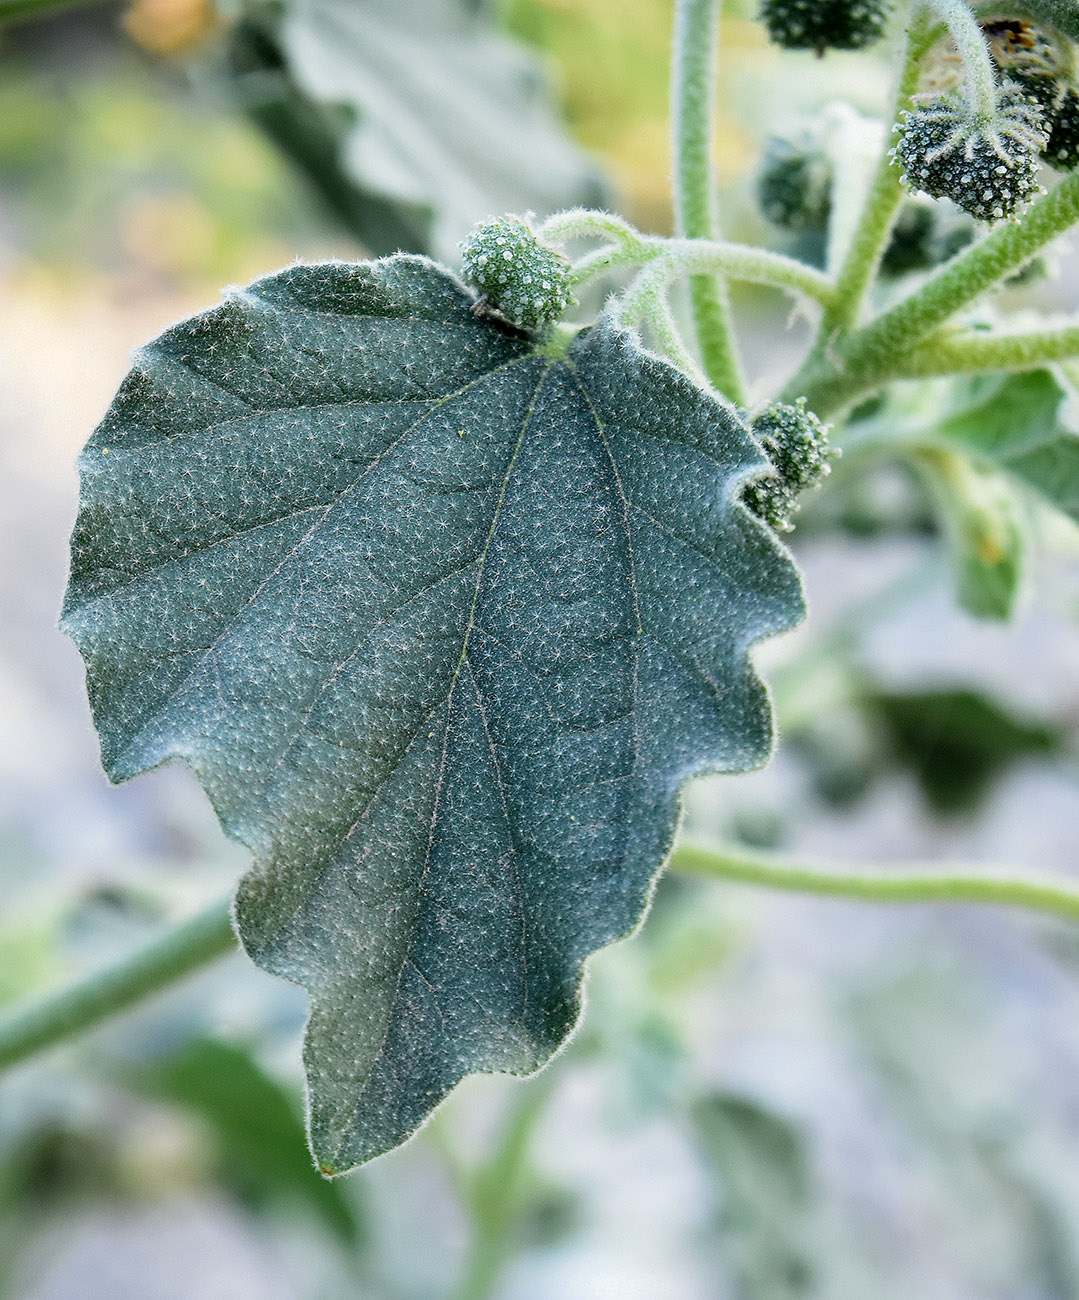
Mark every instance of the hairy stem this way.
pixel 671 258
pixel 882 203
pixel 693 78
pixel 191 945
pixel 974 353
pixel 945 884
pixel 979 76
pixel 871 356
pixel 587 223
pixel 665 327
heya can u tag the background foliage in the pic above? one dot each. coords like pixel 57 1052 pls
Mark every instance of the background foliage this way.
pixel 768 1097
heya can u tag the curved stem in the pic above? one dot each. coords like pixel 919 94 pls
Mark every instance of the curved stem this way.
pixel 979 76
pixel 191 945
pixel 693 78
pixel 601 260
pixel 586 223
pixel 665 327
pixel 882 884
pixel 869 357
pixel 671 258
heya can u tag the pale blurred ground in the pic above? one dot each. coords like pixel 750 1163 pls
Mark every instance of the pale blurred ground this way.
pixel 930 1055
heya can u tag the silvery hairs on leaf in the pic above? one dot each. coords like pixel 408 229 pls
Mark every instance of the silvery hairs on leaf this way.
pixel 442 622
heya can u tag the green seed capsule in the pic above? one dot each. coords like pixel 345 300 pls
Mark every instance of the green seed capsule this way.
pixel 825 24
pixel 796 443
pixel 523 280
pixel 988 169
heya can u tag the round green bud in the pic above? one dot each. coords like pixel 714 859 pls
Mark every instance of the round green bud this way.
pixel 525 281
pixel 794 184
pixel 796 443
pixel 925 234
pixel 1062 148
pixel 989 169
pixel 1059 101
pixel 825 24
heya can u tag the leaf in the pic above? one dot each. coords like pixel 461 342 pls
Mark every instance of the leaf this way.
pixel 986 535
pixel 441 620
pixel 1015 423
pixel 410 117
pixel 258 1131
pixel 958 742
pixel 768 1229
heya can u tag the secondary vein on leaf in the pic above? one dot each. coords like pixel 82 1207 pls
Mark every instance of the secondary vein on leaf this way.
pixel 334 501
pixel 432 404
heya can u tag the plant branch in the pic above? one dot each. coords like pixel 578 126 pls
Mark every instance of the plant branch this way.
pixel 871 356
pixel 882 884
pixel 587 223
pixel 665 327
pixel 882 203
pixel 209 935
pixel 183 950
pixel 979 77
pixel 671 258
pixel 974 353
pixel 693 77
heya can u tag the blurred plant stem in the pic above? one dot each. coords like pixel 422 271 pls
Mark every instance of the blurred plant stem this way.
pixel 210 935
pixel 192 944
pixel 495 1194
pixel 883 884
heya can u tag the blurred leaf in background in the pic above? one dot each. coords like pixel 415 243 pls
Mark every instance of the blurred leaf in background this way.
pixel 766 1216
pixel 257 1132
pixel 411 118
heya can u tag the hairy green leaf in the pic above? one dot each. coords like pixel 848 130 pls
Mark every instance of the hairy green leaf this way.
pixel 1014 422
pixel 410 117
pixel 442 620
pixel 979 514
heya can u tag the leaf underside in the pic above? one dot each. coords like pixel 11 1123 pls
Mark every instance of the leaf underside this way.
pixel 411 117
pixel 442 623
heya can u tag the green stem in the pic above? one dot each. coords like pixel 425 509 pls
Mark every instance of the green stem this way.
pixel 971 353
pixel 177 954
pixel 871 356
pixel 882 203
pixel 979 77
pixel 693 79
pixel 884 884
pixel 586 223
pixel 671 258
pixel 496 1195
pixel 665 328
